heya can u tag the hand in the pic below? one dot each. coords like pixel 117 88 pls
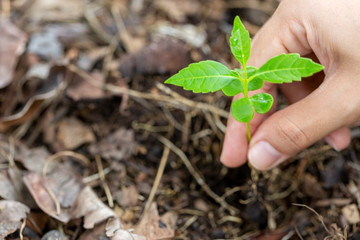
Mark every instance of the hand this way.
pixel 321 106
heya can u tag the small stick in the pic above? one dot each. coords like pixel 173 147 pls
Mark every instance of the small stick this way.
pixel 102 178
pixel 199 179
pixel 175 101
pixel 22 229
pixel 54 157
pixel 158 177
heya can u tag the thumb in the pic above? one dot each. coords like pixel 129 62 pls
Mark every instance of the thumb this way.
pixel 296 127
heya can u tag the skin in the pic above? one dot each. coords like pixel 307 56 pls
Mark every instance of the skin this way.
pixel 323 106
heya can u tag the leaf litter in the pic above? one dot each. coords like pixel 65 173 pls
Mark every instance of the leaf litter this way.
pixel 85 122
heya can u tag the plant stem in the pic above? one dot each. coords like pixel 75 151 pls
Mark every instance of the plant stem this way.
pixel 246 96
pixel 248 132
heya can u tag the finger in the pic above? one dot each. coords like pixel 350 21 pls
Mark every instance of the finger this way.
pixel 301 124
pixel 339 139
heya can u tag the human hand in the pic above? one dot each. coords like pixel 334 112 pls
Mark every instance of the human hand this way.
pixel 321 106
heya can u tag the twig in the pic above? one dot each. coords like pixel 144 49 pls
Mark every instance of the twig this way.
pixel 321 218
pixel 177 100
pixel 157 180
pixel 96 176
pixel 102 178
pixel 22 229
pixel 199 179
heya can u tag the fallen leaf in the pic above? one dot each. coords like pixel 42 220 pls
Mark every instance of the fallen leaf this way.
pixel 54 235
pixel 33 105
pixel 90 207
pixel 80 89
pixel 114 229
pixel 122 234
pixel 171 55
pixel 351 213
pixel 151 226
pixel 117 146
pixel 46 45
pixel 12 45
pixel 127 197
pixel 98 232
pixel 64 183
pixel 54 10
pixel 178 9
pixel 11 214
pixel 72 133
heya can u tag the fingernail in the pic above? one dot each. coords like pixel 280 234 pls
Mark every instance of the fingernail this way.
pixel 263 156
pixel 331 142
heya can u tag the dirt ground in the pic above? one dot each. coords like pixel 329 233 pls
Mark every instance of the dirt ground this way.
pixel 94 145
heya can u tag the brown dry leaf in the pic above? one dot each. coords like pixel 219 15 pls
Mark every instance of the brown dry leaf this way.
pixel 122 234
pixel 351 213
pixel 72 133
pixel 118 146
pixel 98 232
pixel 12 45
pixel 90 207
pixel 151 226
pixel 171 55
pixel 80 89
pixel 55 10
pixel 114 229
pixel 32 106
pixel 63 182
pixel 127 197
pixel 178 9
pixel 11 214
pixel 13 188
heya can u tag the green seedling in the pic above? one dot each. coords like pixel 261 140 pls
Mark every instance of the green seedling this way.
pixel 211 76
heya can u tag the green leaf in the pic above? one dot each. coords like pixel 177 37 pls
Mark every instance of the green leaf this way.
pixel 240 42
pixel 242 110
pixel 261 102
pixel 235 87
pixel 206 76
pixel 287 68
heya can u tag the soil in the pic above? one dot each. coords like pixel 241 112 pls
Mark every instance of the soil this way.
pixel 95 146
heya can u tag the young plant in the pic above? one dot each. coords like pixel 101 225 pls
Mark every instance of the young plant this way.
pixel 211 76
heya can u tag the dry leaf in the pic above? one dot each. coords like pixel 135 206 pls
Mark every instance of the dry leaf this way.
pixel 90 207
pixel 54 235
pixel 151 226
pixel 72 133
pixel 351 213
pixel 117 146
pixel 80 89
pixel 179 9
pixel 127 197
pixel 63 182
pixel 12 45
pixel 171 55
pixel 55 10
pixel 122 234
pixel 11 214
pixel 32 106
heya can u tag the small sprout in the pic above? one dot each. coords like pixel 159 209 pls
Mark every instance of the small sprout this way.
pixel 211 76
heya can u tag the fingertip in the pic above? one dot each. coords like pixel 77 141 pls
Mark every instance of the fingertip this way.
pixel 234 152
pixel 339 139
